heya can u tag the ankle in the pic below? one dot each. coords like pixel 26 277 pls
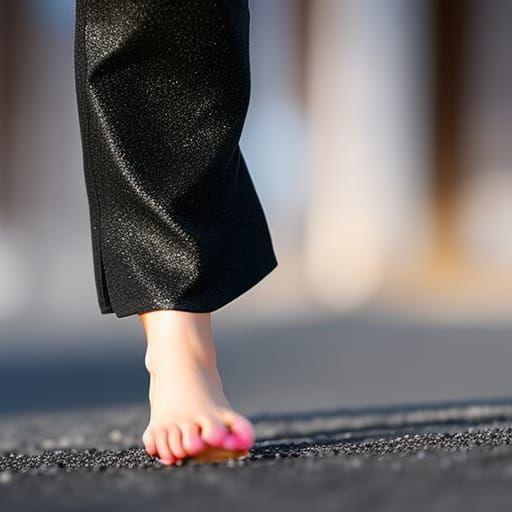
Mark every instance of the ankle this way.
pixel 162 323
pixel 173 335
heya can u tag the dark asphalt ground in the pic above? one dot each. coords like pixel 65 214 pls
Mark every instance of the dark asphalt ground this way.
pixel 442 457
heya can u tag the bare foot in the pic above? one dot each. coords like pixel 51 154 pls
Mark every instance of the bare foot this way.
pixel 189 411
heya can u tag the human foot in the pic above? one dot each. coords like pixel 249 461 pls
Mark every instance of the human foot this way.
pixel 190 415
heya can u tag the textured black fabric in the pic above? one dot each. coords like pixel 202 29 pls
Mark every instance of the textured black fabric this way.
pixel 163 89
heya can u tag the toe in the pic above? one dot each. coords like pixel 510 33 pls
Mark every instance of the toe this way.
pixel 213 431
pixel 191 438
pixel 231 442
pixel 149 442
pixel 175 442
pixel 241 428
pixel 162 446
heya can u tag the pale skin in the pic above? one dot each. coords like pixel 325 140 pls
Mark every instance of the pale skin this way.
pixel 190 415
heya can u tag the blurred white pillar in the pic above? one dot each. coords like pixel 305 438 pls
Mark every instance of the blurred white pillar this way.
pixel 273 138
pixel 486 202
pixel 367 114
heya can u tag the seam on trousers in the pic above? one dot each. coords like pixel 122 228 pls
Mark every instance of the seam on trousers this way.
pixel 96 232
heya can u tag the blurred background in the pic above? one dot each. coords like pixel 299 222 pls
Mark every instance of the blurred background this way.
pixel 379 138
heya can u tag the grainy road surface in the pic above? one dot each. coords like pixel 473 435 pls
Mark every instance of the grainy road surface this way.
pixel 442 457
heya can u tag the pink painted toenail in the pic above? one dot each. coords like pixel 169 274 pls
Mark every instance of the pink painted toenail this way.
pixel 244 433
pixel 216 437
pixel 233 442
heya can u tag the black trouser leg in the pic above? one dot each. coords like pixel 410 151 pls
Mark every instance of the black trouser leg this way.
pixel 163 89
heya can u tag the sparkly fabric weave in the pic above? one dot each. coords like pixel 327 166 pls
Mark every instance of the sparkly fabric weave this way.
pixel 162 89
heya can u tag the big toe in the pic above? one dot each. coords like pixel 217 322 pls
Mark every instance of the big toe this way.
pixel 232 442
pixel 241 429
